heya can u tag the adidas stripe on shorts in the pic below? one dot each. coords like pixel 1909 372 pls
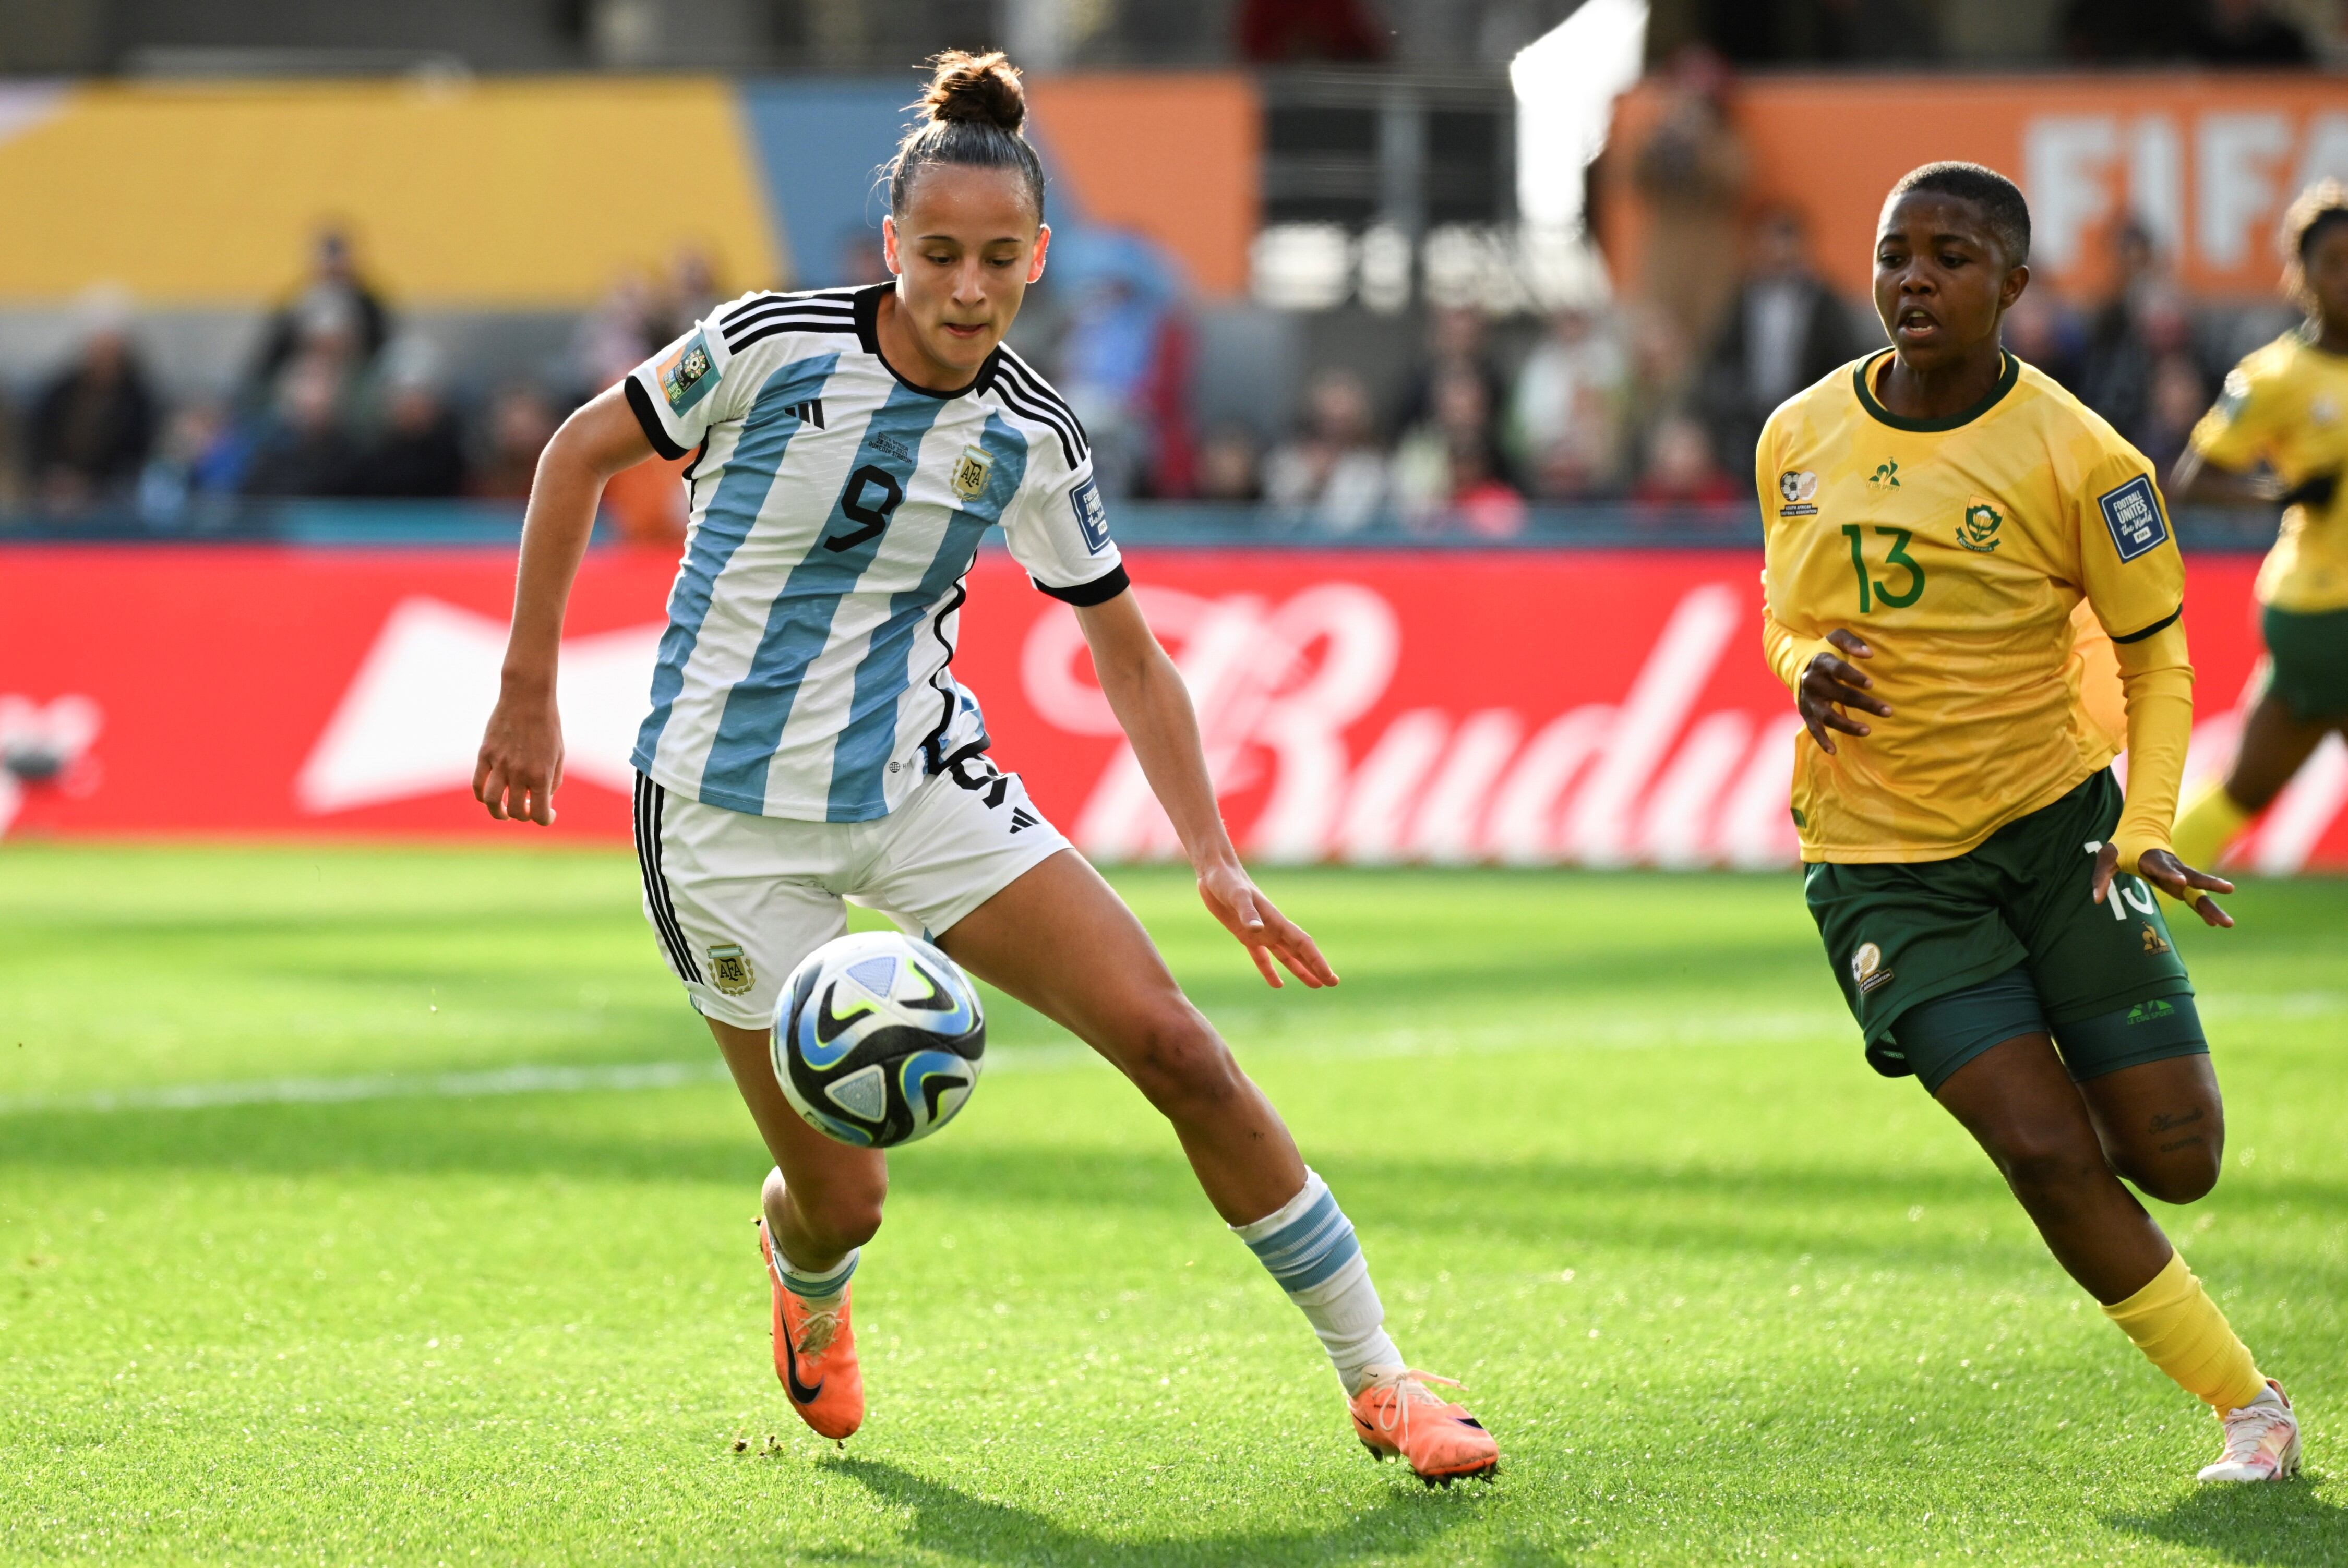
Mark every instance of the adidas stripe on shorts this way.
pixel 738 900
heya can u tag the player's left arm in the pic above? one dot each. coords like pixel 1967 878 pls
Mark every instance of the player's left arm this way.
pixel 2135 581
pixel 1153 706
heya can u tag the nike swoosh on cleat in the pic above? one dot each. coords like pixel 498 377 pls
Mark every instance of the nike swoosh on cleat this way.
pixel 801 1393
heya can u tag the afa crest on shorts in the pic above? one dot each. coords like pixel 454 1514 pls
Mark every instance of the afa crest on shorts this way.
pixel 730 971
pixel 969 472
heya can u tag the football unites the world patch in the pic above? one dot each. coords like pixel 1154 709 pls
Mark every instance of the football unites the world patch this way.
pixel 2132 513
pixel 686 376
pixel 1092 516
pixel 730 970
pixel 969 472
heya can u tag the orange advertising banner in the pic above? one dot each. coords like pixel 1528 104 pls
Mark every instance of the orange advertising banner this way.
pixel 2206 162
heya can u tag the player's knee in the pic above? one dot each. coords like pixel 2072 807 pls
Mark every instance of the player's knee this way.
pixel 1179 1062
pixel 2179 1178
pixel 2049 1172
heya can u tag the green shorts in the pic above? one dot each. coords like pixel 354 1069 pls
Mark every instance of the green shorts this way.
pixel 1940 960
pixel 2308 657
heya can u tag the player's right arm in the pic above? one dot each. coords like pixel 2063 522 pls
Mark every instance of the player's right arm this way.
pixel 520 762
pixel 2234 441
pixel 1813 668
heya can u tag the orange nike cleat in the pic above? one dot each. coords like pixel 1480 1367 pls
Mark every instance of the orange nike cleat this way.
pixel 815 1356
pixel 1397 1413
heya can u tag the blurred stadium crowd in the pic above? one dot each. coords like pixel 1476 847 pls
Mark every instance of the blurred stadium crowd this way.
pixel 1442 410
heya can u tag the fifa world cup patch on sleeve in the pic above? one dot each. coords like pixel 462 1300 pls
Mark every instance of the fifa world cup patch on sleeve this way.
pixel 686 376
pixel 2132 512
pixel 1092 516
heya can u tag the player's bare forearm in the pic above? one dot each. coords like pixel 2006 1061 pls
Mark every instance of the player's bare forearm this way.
pixel 1152 705
pixel 520 765
pixel 599 440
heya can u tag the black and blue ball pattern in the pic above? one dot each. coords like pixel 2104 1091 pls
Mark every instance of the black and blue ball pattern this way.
pixel 878 1040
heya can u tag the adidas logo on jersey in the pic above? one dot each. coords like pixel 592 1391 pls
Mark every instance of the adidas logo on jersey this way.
pixel 809 412
pixel 1021 818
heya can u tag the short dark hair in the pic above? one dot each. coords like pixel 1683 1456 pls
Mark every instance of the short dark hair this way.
pixel 1999 199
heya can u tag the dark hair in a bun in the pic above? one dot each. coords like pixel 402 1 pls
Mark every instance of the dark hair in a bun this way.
pixel 970 115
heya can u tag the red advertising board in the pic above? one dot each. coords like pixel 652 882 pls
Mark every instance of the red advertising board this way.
pixel 1523 707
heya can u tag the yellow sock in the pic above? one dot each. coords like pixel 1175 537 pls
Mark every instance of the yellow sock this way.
pixel 2204 828
pixel 2176 1326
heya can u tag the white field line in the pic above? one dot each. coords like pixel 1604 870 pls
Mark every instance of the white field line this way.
pixel 1631 1033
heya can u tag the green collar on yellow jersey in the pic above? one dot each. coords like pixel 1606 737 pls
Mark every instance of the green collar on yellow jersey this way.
pixel 1863 374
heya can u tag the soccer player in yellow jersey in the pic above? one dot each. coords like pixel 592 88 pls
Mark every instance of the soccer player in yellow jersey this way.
pixel 1935 514
pixel 2285 409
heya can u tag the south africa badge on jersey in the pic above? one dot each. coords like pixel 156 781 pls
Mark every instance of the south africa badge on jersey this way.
pixel 969 472
pixel 1978 531
pixel 686 376
pixel 730 970
pixel 1797 489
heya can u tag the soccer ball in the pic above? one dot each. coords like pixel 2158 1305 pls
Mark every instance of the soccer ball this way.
pixel 878 1040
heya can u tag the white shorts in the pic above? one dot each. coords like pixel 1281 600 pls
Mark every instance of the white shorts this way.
pixel 738 900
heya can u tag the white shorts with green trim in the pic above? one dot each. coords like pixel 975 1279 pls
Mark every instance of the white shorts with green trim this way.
pixel 738 900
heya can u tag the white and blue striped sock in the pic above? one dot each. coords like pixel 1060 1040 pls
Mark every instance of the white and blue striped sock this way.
pixel 819 1290
pixel 1308 1244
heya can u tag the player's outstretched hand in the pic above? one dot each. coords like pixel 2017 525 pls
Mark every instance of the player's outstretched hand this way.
pixel 521 763
pixel 2171 876
pixel 1829 685
pixel 1233 897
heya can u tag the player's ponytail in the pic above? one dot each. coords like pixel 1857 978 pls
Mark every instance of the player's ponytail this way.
pixel 970 115
pixel 2319 207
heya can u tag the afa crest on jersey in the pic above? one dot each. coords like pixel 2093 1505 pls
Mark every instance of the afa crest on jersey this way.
pixel 969 472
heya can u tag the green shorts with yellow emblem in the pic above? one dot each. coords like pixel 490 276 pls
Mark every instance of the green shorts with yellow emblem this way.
pixel 1941 960
pixel 2307 657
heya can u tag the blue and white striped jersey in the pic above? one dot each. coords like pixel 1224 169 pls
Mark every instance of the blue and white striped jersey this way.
pixel 836 509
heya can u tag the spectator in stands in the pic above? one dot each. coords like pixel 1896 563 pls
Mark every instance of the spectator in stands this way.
pixel 2177 396
pixel 1564 430
pixel 1691 172
pixel 1333 470
pixel 1457 340
pixel 521 422
pixel 1125 359
pixel 1785 329
pixel 202 457
pixel 1681 471
pixel 305 448
pixel 2245 33
pixel 1228 467
pixel 12 463
pixel 2116 372
pixel 1447 467
pixel 94 422
pixel 2043 330
pixel 417 451
pixel 336 295
pixel 615 334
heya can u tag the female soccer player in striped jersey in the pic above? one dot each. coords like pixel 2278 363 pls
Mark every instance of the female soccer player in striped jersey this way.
pixel 807 741
pixel 1935 514
pixel 2285 408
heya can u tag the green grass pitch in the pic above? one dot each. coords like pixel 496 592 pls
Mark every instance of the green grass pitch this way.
pixel 1724 1295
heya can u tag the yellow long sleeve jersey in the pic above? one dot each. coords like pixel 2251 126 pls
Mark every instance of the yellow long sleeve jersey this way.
pixel 2286 405
pixel 1958 551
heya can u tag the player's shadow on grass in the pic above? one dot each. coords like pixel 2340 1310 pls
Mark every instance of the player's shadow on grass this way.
pixel 2286 1522
pixel 955 1524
